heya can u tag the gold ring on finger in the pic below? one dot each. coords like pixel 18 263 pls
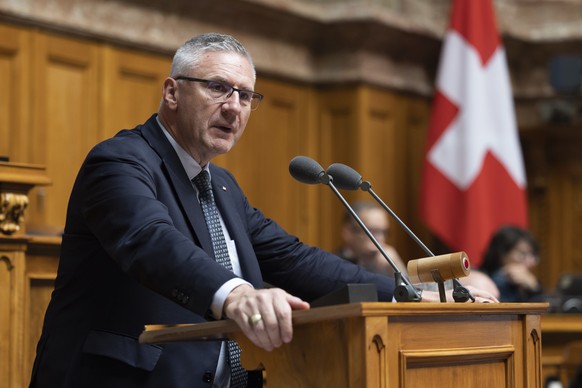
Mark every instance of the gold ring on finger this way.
pixel 254 319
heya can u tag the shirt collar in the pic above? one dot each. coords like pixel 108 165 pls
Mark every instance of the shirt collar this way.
pixel 190 164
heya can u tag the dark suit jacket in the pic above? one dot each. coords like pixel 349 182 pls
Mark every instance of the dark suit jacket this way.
pixel 136 251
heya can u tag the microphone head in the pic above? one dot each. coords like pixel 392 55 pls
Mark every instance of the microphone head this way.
pixel 344 177
pixel 443 267
pixel 307 170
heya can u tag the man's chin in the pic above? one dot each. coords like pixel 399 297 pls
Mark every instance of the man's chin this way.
pixel 222 146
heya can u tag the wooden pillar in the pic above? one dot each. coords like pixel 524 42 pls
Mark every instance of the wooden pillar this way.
pixel 16 180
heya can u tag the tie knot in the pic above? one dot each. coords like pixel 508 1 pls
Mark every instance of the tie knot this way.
pixel 202 181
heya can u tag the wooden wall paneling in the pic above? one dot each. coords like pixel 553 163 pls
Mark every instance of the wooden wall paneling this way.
pixel 567 251
pixel 278 131
pixel 12 332
pixel 554 166
pixel 131 88
pixel 27 272
pixel 539 223
pixel 14 92
pixel 378 145
pixel 570 172
pixel 413 134
pixel 41 270
pixel 381 150
pixel 338 129
pixel 538 180
pixel 309 224
pixel 575 262
pixel 550 217
pixel 65 104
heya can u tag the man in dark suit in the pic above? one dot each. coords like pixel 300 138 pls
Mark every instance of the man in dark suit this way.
pixel 137 250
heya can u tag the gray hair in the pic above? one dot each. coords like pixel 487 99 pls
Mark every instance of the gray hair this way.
pixel 189 55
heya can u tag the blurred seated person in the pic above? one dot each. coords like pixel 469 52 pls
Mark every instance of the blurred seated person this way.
pixel 509 260
pixel 359 249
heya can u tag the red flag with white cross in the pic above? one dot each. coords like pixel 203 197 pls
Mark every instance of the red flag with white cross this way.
pixel 473 178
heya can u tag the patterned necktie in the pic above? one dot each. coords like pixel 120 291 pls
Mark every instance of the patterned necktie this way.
pixel 206 197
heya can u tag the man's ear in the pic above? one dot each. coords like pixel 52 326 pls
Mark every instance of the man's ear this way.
pixel 170 93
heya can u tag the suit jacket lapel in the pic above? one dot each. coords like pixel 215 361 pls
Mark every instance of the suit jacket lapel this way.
pixel 186 194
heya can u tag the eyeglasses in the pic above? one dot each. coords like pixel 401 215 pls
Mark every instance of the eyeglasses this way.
pixel 221 92
pixel 376 232
pixel 521 255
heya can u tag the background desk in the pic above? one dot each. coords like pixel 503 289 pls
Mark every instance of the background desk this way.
pixel 557 331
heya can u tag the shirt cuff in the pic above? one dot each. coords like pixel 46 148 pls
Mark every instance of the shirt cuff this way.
pixel 220 295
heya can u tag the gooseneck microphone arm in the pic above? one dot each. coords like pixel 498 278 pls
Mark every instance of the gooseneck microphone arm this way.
pixel 349 179
pixel 366 186
pixel 307 170
pixel 363 226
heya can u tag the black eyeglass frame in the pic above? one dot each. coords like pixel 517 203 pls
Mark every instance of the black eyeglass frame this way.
pixel 254 95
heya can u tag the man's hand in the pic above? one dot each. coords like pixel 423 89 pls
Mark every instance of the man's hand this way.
pixel 482 296
pixel 263 315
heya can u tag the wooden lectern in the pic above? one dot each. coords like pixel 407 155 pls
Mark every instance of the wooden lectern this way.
pixel 372 344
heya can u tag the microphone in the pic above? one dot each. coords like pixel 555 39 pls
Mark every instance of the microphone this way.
pixel 439 269
pixel 307 170
pixel 347 178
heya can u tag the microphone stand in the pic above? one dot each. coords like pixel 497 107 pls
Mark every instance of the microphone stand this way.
pixel 404 291
pixel 460 293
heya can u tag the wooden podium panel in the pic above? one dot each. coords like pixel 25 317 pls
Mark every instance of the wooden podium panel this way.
pixel 373 344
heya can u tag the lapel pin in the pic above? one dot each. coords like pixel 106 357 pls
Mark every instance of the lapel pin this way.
pixel 223 188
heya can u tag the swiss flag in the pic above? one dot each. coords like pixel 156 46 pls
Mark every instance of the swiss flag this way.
pixel 473 178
